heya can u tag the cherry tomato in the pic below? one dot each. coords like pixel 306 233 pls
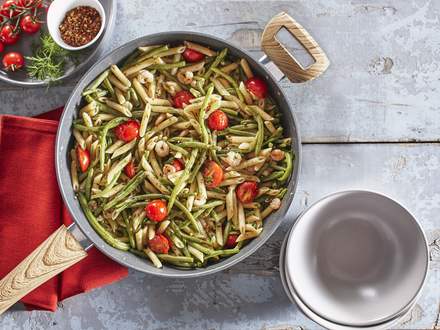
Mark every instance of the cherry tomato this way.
pixel 257 86
pixel 2 47
pixel 30 3
pixel 9 8
pixel 30 24
pixel 127 131
pixel 83 157
pixel 9 34
pixel 231 242
pixel 218 121
pixel 213 174
pixel 247 191
pixel 159 244
pixel 191 55
pixel 129 170
pixel 178 165
pixel 13 61
pixel 182 98
pixel 156 210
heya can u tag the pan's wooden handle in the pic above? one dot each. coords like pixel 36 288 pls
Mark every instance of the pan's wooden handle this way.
pixel 57 253
pixel 281 56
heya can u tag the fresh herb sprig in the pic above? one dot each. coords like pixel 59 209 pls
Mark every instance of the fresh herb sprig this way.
pixel 48 60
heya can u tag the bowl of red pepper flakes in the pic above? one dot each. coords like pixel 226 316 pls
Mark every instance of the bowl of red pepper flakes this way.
pixel 75 24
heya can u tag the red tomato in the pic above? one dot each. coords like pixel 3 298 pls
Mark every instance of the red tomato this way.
pixel 213 174
pixel 30 24
pixel 129 170
pixel 30 3
pixel 127 131
pixel 231 242
pixel 13 61
pixel 83 157
pixel 9 8
pixel 159 244
pixel 2 47
pixel 182 98
pixel 178 165
pixel 191 55
pixel 257 86
pixel 247 191
pixel 218 121
pixel 156 210
pixel 9 34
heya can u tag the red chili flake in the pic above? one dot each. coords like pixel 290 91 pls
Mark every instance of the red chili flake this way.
pixel 80 26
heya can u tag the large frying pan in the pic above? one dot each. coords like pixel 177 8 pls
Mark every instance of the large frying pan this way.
pixel 68 246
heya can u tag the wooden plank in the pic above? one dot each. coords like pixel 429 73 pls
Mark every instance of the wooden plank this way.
pixel 382 84
pixel 250 295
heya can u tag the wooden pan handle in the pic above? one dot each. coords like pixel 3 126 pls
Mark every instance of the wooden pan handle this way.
pixel 57 253
pixel 281 56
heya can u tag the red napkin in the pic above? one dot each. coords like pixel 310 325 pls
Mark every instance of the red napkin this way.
pixel 31 209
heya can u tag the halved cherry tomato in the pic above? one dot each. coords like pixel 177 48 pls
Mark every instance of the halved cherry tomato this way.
pixel 247 191
pixel 30 24
pixel 13 61
pixel 156 210
pixel 2 47
pixel 257 86
pixel 213 174
pixel 127 131
pixel 191 55
pixel 218 121
pixel 83 157
pixel 129 170
pixel 182 98
pixel 231 242
pixel 9 8
pixel 159 244
pixel 9 34
pixel 178 165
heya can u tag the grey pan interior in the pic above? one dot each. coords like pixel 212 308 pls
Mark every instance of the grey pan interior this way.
pixel 64 143
pixel 357 258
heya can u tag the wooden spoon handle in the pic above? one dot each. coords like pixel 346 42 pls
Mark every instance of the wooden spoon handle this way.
pixel 281 56
pixel 57 253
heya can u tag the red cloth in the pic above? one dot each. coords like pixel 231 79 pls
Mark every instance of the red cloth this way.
pixel 31 209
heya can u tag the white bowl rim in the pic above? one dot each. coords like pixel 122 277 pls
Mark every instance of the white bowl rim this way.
pixel 54 32
pixel 417 293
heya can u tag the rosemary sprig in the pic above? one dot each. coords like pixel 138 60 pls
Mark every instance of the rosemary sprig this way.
pixel 48 61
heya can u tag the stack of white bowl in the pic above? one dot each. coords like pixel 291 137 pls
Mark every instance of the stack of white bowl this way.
pixel 355 260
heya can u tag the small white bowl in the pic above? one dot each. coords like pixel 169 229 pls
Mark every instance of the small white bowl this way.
pixel 58 10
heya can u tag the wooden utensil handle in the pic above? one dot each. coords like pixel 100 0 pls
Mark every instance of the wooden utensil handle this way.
pixel 57 253
pixel 281 56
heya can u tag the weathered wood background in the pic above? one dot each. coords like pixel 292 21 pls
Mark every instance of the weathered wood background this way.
pixel 371 121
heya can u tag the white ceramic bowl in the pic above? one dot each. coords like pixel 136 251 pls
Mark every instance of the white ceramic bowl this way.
pixel 58 10
pixel 293 297
pixel 357 259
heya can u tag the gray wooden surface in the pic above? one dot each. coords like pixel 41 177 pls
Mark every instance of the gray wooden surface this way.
pixel 371 121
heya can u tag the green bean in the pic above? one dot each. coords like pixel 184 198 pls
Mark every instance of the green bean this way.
pixel 273 176
pixel 105 235
pixel 109 86
pixel 203 112
pixel 289 167
pixel 196 144
pixel 102 138
pixel 88 185
pixel 168 257
pixel 197 166
pixel 151 53
pixel 223 253
pixel 211 204
pixel 181 181
pixel 168 66
pixel 177 149
pixel 215 63
pixel 98 81
pixel 84 128
pixel 260 134
pixel 201 248
pixel 131 185
pixel 129 228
